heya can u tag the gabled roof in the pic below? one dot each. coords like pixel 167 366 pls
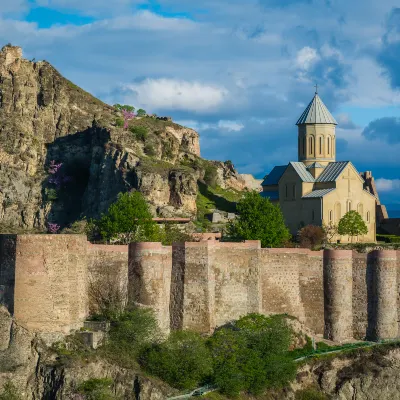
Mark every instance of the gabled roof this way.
pixel 316 113
pixel 318 193
pixel 274 176
pixel 301 170
pixel 271 195
pixel 332 171
pixel 315 165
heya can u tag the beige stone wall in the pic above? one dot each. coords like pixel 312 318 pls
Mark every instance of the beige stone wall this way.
pixel 50 280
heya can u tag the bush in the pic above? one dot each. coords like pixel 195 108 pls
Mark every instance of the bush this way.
pixel 119 122
pixel 149 150
pixel 170 233
pixel 139 132
pixel 183 360
pixel 310 394
pixel 130 332
pixel 252 355
pixel 388 238
pixel 51 194
pixel 96 389
pixel 258 219
pixel 10 392
pixel 311 236
pixel 127 220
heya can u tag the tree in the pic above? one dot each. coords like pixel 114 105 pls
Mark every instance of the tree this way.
pixel 352 224
pixel 330 230
pixel 259 219
pixel 128 220
pixel 251 354
pixel 183 360
pixel 140 112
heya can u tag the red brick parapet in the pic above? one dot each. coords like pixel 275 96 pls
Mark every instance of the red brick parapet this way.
pixel 337 254
pixel 384 254
pixel 107 247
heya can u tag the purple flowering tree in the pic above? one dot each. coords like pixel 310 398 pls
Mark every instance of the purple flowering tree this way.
pixel 53 227
pixel 57 178
pixel 128 115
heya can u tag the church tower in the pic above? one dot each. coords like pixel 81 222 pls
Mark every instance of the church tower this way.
pixel 316 133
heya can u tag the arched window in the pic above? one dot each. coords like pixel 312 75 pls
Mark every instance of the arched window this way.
pixel 304 145
pixel 320 145
pixel 329 145
pixel 310 144
pixel 348 205
pixel 338 212
pixel 360 209
pixel 330 216
pixel 333 146
pixel 294 190
pixel 368 217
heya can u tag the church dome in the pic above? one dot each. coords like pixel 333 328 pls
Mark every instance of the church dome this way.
pixel 316 113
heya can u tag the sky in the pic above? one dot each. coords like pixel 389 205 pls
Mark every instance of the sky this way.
pixel 239 72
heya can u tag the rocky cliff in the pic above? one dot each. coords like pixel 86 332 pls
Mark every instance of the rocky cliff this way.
pixel 44 117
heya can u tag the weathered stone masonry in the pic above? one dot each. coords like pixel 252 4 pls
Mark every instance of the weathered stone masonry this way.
pixel 336 293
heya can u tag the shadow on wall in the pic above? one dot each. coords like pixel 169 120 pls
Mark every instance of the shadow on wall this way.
pixel 7 271
pixel 65 189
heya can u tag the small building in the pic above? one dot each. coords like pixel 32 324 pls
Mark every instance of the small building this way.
pixel 317 189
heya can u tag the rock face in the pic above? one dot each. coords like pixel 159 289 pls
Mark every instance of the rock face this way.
pixel 45 117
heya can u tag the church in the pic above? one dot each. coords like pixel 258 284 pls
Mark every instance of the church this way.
pixel 317 189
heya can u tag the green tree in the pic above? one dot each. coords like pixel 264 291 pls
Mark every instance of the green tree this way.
pixel 130 333
pixel 128 220
pixel 125 107
pixel 96 389
pixel 140 132
pixel 259 219
pixel 352 224
pixel 140 112
pixel 252 355
pixel 183 360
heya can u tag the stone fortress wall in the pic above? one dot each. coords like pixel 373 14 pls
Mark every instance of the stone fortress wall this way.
pixel 338 294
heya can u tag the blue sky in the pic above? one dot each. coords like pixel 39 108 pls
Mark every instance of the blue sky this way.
pixel 239 72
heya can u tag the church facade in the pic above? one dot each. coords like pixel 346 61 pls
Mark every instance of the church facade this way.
pixel 317 189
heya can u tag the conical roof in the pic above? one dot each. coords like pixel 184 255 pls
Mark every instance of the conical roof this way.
pixel 316 113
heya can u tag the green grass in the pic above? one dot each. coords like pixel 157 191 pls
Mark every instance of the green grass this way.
pixel 209 199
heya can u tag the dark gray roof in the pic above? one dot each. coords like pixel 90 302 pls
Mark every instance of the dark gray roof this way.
pixel 318 193
pixel 271 195
pixel 274 176
pixel 315 165
pixel 332 171
pixel 316 113
pixel 301 170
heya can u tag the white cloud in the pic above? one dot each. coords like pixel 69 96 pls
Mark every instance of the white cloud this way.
pixel 230 125
pixel 222 125
pixel 387 185
pixel 306 57
pixel 173 94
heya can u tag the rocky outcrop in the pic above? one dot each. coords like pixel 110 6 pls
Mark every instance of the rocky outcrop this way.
pixel 45 117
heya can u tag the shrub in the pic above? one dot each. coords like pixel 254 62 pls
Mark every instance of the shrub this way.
pixel 10 392
pixel 211 175
pixel 170 233
pixel 51 194
pixel 311 236
pixel 183 360
pixel 119 122
pixel 252 355
pixel 149 150
pixel 258 219
pixel 127 220
pixel 96 389
pixel 139 132
pixel 130 332
pixel 310 394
